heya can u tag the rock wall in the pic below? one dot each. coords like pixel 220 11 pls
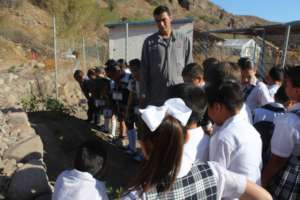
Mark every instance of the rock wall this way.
pixel 22 170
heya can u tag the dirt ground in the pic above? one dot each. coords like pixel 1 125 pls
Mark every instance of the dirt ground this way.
pixel 63 134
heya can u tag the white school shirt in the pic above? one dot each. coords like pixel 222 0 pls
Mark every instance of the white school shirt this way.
pixel 273 89
pixel 237 146
pixel 259 95
pixel 245 113
pixel 262 114
pixel 286 137
pixel 77 185
pixel 198 145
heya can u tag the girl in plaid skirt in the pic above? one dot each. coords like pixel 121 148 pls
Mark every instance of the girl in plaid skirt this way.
pixel 163 174
pixel 282 173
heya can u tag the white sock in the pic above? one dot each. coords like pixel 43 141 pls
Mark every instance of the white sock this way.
pixel 113 126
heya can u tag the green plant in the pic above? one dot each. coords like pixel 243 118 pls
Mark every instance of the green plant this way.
pixel 114 193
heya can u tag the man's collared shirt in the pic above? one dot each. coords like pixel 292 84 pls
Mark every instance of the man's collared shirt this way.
pixel 162 65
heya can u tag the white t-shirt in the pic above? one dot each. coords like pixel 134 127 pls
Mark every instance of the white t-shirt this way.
pixel 77 185
pixel 245 113
pixel 286 137
pixel 237 146
pixel 259 96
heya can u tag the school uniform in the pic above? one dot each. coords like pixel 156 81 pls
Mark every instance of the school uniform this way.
pixel 273 89
pixel 237 146
pixel 77 185
pixel 286 143
pixel 197 147
pixel 246 113
pixel 133 109
pixel 256 94
pixel 120 96
pixel 198 180
pixel 268 112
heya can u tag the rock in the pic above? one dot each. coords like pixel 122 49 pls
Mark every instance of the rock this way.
pixel 29 182
pixel 11 100
pixel 10 165
pixel 11 77
pixel 18 119
pixel 31 148
pixel 40 65
pixel 1 81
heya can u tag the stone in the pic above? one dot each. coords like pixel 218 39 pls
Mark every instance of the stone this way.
pixel 30 148
pixel 29 182
pixel 10 165
pixel 1 81
pixel 18 118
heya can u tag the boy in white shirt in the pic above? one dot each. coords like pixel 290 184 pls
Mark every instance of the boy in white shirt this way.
pixel 79 183
pixel 284 165
pixel 255 92
pixel 274 79
pixel 235 144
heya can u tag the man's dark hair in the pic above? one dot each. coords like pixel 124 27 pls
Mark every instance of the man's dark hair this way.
pixel 228 93
pixel 194 97
pixel 192 70
pixel 276 74
pixel 293 74
pixel 90 158
pixel 122 61
pixel 91 72
pixel 161 9
pixel 111 62
pixel 135 63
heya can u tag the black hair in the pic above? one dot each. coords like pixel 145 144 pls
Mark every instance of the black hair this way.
pixel 222 71
pixel 112 68
pixel 194 97
pixel 122 61
pixel 111 62
pixel 90 158
pixel 228 93
pixel 77 73
pixel 99 70
pixel 161 9
pixel 280 96
pixel 91 72
pixel 246 63
pixel 193 70
pixel 276 74
pixel 209 65
pixel 135 63
pixel 293 74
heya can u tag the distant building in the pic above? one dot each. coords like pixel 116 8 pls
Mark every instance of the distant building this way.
pixel 137 33
pixel 242 48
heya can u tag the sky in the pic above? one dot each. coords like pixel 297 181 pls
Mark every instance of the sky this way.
pixel 273 10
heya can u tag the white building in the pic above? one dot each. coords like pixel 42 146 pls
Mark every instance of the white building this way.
pixel 137 33
pixel 242 47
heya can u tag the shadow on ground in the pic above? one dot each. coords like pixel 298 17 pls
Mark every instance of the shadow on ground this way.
pixel 63 134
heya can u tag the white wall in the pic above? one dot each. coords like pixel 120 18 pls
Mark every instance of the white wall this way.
pixel 136 37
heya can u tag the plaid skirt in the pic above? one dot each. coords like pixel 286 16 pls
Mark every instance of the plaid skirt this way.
pixel 286 186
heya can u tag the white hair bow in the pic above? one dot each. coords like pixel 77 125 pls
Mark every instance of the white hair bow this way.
pixel 153 115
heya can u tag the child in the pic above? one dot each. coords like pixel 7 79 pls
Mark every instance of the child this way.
pixel 284 165
pixel 274 80
pixel 193 73
pixel 91 74
pixel 235 143
pixel 123 65
pixel 160 176
pixel 119 94
pixel 196 149
pixel 255 92
pixel 79 183
pixel 86 90
pixel 100 72
pixel 132 112
pixel 263 120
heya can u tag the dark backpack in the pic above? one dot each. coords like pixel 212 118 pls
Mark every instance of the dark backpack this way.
pixel 266 129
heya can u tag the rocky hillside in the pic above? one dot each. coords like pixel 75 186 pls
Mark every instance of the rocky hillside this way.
pixel 27 24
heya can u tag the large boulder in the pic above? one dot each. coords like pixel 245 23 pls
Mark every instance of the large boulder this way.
pixel 29 182
pixel 31 148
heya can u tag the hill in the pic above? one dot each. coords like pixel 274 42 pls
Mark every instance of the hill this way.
pixel 26 25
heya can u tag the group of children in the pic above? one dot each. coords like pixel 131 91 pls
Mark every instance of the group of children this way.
pixel 221 134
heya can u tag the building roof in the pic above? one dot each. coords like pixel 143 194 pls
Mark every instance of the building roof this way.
pixel 147 22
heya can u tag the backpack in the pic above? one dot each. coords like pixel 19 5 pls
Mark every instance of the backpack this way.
pixel 266 129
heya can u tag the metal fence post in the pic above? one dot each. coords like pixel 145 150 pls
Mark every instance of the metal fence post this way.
pixel 55 58
pixel 286 44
